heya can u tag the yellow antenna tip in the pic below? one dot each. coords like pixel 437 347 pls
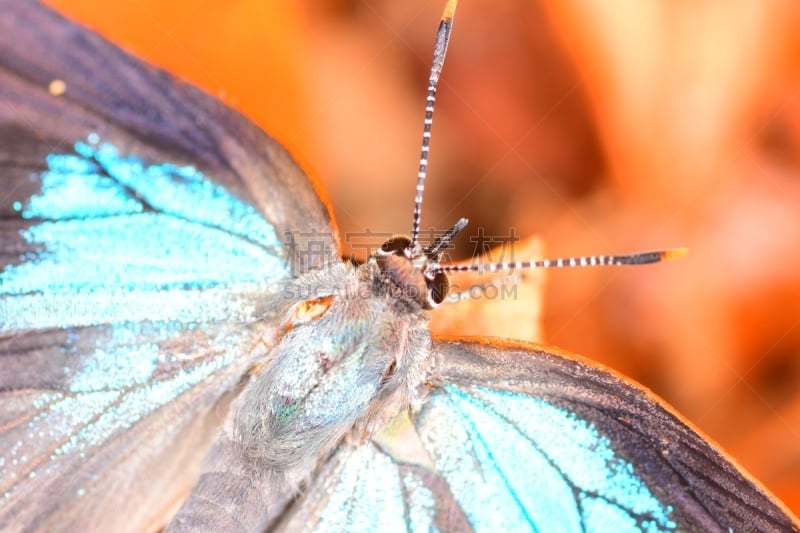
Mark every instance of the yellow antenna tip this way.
pixel 449 9
pixel 674 253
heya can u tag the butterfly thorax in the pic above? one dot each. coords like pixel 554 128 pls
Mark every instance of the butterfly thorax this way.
pixel 349 357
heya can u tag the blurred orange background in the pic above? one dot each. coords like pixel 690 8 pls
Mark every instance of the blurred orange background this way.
pixel 601 126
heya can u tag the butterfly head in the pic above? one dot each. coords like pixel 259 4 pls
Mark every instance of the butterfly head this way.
pixel 413 271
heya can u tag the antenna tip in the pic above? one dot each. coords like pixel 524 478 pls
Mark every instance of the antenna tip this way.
pixel 449 10
pixel 674 253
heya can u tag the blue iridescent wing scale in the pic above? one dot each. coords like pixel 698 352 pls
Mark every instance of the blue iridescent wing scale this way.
pixel 515 437
pixel 142 225
pixel 616 450
pixel 112 432
pixel 367 488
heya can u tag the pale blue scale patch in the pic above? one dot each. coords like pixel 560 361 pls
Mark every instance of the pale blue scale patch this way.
pixel 368 493
pixel 147 251
pixel 105 222
pixel 131 185
pixel 570 478
pixel 126 363
pixel 37 311
pixel 74 188
pixel 113 390
pixel 421 504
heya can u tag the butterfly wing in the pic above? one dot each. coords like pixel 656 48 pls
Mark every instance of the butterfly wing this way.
pixel 516 438
pixel 142 225
pixel 586 433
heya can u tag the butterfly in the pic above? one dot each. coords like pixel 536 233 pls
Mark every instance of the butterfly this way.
pixel 180 341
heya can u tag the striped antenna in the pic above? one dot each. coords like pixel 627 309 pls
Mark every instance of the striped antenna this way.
pixel 589 260
pixel 439 51
pixel 435 248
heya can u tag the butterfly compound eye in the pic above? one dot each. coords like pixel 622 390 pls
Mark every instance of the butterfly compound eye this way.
pixel 395 246
pixel 438 289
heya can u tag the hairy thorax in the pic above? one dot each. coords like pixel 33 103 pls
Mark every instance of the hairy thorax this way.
pixel 350 349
